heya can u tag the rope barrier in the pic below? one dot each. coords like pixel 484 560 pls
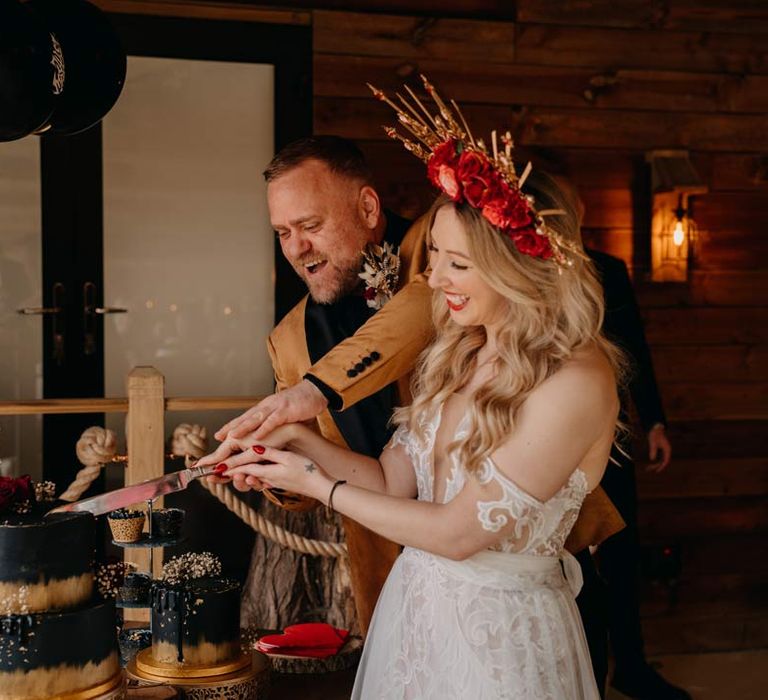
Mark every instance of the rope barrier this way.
pixel 271 531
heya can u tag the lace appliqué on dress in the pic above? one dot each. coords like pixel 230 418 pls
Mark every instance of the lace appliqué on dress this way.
pixel 539 528
pixel 419 453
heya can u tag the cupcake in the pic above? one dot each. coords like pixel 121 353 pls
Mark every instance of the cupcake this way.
pixel 135 588
pixel 126 525
pixel 166 522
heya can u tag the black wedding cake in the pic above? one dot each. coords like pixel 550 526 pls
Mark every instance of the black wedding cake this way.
pixel 195 613
pixel 57 638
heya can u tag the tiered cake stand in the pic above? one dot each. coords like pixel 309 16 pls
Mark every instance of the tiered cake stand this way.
pixel 146 541
pixel 244 678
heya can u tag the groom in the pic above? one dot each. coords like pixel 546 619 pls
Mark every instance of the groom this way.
pixel 337 361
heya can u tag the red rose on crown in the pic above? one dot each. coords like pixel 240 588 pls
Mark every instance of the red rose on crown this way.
pixel 531 243
pixel 470 175
pixel 441 169
pixel 14 490
pixel 446 176
pixel 508 209
pixel 477 177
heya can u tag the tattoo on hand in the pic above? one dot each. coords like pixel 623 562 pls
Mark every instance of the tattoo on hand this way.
pixel 309 467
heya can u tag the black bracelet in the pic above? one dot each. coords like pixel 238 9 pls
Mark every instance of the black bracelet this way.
pixel 329 507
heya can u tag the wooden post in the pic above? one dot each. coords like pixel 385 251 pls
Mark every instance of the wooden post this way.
pixel 146 451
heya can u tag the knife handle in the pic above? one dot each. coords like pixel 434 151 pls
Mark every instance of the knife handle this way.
pixel 199 472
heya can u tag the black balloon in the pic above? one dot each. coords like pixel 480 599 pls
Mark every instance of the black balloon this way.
pixel 94 63
pixel 62 67
pixel 27 74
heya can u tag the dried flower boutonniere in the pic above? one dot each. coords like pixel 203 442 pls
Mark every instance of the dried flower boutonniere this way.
pixel 381 273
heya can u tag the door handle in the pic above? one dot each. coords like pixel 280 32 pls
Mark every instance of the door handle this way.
pixel 90 311
pixel 38 310
pixel 57 328
pixel 59 291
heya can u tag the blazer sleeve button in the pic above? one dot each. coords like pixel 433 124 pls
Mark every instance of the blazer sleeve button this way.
pixel 375 356
pixel 367 360
pixel 351 373
pixel 359 366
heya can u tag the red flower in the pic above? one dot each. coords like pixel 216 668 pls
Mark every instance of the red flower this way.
pixel 531 243
pixel 508 209
pixel 477 177
pixel 446 177
pixel 470 175
pixel 369 293
pixel 14 490
pixel 441 169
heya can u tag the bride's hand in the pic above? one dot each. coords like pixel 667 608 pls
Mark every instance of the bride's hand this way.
pixel 281 469
pixel 237 451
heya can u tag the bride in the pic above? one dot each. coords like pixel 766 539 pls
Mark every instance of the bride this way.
pixel 513 417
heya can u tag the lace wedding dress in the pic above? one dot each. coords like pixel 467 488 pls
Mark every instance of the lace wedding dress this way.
pixel 501 624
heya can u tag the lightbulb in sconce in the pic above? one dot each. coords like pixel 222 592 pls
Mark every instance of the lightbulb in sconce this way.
pixel 678 235
pixel 673 181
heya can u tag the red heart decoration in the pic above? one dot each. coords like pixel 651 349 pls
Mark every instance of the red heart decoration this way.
pixel 316 639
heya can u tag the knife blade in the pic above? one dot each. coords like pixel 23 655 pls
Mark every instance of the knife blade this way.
pixel 137 493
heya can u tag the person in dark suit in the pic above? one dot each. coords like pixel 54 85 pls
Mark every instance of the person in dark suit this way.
pixel 618 556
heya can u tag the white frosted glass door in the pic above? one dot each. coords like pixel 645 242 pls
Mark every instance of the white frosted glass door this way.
pixel 188 249
pixel 21 335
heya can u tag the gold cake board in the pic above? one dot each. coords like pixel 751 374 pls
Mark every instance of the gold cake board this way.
pixel 112 689
pixel 246 677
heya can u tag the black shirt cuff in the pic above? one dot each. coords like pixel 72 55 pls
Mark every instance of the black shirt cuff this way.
pixel 334 400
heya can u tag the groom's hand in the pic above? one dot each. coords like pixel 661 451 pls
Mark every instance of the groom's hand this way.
pixel 300 403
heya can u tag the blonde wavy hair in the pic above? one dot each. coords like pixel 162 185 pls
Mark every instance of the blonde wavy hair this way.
pixel 550 315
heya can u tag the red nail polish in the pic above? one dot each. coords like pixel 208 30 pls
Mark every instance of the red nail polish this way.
pixel 221 468
pixel 258 449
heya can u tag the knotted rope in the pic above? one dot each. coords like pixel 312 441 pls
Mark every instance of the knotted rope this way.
pixel 189 440
pixel 94 449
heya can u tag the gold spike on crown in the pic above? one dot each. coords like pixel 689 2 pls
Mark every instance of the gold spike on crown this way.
pixel 466 171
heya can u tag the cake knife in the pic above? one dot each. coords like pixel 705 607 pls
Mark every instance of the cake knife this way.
pixel 137 493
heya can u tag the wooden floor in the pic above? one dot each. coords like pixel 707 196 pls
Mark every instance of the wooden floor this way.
pixel 332 686
pixel 715 676
pixel 712 676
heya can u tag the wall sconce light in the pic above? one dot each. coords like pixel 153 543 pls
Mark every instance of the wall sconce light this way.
pixel 673 230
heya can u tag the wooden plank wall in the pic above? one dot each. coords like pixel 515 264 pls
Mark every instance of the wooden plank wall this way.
pixel 597 84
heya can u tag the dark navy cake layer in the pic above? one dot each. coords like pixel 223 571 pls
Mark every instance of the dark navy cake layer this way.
pixel 44 640
pixel 56 547
pixel 203 608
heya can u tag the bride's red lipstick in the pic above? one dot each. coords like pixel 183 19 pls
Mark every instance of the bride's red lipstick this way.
pixel 455 307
